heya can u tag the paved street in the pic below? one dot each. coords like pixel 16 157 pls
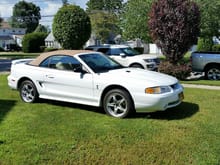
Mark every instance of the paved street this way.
pixel 5 65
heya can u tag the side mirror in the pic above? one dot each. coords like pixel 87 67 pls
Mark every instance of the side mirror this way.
pixel 122 55
pixel 80 69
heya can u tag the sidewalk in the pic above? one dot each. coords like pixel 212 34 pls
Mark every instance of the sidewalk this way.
pixel 201 86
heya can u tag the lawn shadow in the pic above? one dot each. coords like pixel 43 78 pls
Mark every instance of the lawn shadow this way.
pixel 5 108
pixel 74 105
pixel 184 110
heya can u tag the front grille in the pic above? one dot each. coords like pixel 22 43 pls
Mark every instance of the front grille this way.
pixel 175 86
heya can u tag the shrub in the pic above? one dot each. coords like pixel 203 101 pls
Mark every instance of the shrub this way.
pixel 50 49
pixel 180 70
pixel 71 27
pixel 216 48
pixel 205 44
pixel 174 27
pixel 33 42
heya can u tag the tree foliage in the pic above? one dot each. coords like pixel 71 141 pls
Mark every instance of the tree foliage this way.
pixel 104 25
pixel 71 27
pixel 25 15
pixel 112 6
pixel 65 2
pixel 104 18
pixel 134 19
pixel 32 42
pixel 210 18
pixel 42 28
pixel 174 27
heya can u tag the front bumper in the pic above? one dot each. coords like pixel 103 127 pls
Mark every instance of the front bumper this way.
pixel 159 102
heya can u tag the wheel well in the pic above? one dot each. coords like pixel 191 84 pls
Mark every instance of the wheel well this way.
pixel 107 89
pixel 211 65
pixel 22 80
pixel 136 64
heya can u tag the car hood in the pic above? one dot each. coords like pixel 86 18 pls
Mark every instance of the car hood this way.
pixel 147 56
pixel 139 76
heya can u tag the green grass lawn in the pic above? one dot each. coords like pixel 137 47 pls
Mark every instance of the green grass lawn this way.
pixel 57 133
pixel 202 82
pixel 15 55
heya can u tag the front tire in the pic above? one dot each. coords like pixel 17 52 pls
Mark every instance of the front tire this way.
pixel 212 72
pixel 137 66
pixel 118 103
pixel 28 91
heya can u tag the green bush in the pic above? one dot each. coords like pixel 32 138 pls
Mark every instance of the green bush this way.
pixel 205 44
pixel 71 27
pixel 216 48
pixel 50 49
pixel 33 42
pixel 181 70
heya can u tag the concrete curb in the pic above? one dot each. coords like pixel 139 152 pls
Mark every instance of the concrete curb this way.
pixel 201 86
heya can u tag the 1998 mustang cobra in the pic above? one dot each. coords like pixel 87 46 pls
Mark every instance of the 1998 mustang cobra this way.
pixel 91 78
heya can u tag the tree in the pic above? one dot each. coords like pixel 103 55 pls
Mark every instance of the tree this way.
pixel 65 2
pixel 71 27
pixel 25 15
pixel 104 25
pixel 134 19
pixel 42 28
pixel 210 18
pixel 112 6
pixel 104 18
pixel 174 27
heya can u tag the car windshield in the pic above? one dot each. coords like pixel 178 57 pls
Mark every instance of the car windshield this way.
pixel 129 51
pixel 100 63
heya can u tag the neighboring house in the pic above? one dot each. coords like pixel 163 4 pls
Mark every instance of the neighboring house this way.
pixel 9 35
pixel 50 41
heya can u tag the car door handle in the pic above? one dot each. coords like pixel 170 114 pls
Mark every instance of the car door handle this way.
pixel 50 76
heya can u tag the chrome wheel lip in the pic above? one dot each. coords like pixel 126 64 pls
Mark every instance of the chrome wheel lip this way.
pixel 213 74
pixel 27 93
pixel 117 105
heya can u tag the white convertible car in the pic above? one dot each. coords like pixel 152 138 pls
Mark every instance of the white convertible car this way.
pixel 91 78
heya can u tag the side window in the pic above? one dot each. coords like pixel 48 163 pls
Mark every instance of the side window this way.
pixel 104 50
pixel 116 51
pixel 61 62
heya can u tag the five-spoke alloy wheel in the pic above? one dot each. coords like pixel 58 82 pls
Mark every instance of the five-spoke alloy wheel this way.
pixel 212 73
pixel 28 91
pixel 118 103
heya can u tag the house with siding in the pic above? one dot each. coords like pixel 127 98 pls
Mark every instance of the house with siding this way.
pixel 9 35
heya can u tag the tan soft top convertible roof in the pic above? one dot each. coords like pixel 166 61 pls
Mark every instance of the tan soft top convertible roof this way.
pixel 43 56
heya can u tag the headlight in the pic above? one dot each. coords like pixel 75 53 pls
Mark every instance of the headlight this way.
pixel 148 60
pixel 158 90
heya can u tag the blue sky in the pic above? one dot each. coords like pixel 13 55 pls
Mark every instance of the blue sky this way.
pixel 48 8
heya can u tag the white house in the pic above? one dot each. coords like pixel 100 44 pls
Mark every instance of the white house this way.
pixel 50 41
pixel 9 35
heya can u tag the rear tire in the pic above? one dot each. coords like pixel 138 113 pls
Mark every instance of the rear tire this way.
pixel 118 103
pixel 28 92
pixel 212 72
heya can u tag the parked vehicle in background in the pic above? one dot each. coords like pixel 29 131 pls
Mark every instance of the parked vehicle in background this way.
pixel 92 78
pixel 208 62
pixel 127 56
pixel 12 47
